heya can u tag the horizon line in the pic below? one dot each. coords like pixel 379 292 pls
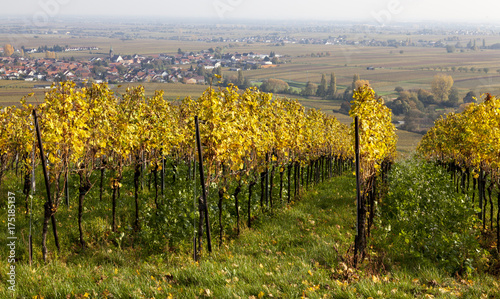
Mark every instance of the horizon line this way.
pixel 244 21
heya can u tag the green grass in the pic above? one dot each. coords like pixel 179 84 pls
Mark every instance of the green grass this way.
pixel 301 250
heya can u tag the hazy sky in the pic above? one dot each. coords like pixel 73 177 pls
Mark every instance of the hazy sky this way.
pixel 377 12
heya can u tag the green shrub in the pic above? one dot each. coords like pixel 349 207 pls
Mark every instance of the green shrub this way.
pixel 424 221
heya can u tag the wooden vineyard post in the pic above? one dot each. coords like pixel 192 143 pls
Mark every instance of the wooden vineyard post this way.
pixel 48 205
pixel 33 180
pixel 143 170
pixel 266 188
pixel 358 246
pixel 162 174
pixel 66 186
pixel 195 250
pixel 498 221
pixel 30 239
pixel 203 187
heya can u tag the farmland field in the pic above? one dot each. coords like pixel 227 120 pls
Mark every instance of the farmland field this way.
pixel 413 68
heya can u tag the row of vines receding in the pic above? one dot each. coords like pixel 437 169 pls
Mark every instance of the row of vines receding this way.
pixel 108 142
pixel 467 144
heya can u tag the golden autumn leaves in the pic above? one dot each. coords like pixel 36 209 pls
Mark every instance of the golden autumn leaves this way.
pixel 377 133
pixel 470 139
pixel 238 128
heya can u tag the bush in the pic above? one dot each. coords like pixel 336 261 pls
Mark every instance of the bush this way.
pixel 274 86
pixel 424 221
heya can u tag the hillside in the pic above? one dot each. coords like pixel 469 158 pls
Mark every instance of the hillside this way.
pixel 300 251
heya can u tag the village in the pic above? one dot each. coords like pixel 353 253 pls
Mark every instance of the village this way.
pixel 30 64
pixel 187 68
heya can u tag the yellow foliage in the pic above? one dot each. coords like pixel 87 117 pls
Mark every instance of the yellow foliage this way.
pixel 470 139
pixel 376 132
pixel 8 50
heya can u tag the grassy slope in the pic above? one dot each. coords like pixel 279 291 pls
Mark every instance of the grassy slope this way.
pixel 288 255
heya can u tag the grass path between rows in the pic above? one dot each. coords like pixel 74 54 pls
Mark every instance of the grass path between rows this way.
pixel 296 252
